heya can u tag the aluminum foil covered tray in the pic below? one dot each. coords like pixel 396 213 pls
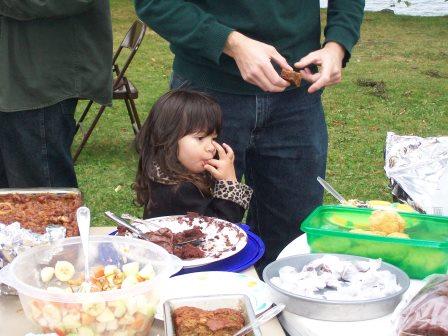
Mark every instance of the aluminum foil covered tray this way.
pixel 37 208
pixel 418 171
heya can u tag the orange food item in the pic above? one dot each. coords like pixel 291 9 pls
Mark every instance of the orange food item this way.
pixel 293 77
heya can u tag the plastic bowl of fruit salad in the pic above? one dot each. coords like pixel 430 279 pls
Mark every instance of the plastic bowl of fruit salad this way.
pixel 119 298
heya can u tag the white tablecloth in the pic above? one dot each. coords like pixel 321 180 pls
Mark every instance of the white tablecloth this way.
pixel 14 323
pixel 302 326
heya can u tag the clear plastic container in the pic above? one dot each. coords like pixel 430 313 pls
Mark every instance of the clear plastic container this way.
pixel 127 311
pixel 425 252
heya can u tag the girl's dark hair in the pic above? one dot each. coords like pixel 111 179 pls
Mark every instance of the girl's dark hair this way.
pixel 174 115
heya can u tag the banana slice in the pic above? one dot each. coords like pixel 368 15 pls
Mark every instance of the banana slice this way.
pixel 46 274
pixel 131 268
pixel 64 270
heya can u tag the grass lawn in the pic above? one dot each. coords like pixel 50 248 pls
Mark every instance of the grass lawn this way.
pixel 397 80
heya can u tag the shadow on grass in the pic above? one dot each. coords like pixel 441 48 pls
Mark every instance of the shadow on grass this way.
pixel 376 88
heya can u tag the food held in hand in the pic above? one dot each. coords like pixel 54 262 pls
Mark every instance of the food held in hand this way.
pixel 190 321
pixel 291 76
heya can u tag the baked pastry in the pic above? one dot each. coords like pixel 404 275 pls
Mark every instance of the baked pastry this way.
pixel 291 76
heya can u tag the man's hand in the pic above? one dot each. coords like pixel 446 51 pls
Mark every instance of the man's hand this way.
pixel 253 59
pixel 222 169
pixel 329 58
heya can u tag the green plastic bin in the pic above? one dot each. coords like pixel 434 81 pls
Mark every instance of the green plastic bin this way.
pixel 424 253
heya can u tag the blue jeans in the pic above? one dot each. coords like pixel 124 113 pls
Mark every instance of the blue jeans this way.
pixel 35 147
pixel 280 141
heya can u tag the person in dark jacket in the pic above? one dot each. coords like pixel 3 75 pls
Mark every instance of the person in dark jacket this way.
pixel 52 52
pixel 181 167
pixel 234 51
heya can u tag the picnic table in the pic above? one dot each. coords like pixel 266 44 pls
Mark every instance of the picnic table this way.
pixel 13 321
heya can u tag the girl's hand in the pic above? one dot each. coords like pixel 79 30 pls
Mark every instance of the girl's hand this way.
pixel 222 169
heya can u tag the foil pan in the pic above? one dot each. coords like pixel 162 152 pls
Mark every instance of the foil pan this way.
pixel 212 302
pixel 14 239
pixel 69 222
pixel 333 310
pixel 418 171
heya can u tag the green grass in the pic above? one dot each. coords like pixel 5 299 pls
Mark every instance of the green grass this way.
pixel 407 53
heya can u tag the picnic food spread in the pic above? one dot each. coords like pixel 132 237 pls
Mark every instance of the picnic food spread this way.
pixel 350 230
pixel 190 321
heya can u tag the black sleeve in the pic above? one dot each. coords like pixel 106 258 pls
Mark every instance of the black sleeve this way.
pixel 186 197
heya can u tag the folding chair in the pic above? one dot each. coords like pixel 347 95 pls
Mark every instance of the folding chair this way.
pixel 122 88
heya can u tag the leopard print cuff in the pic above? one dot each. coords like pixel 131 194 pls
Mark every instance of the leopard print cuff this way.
pixel 233 191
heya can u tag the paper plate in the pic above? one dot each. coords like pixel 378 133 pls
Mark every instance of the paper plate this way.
pixel 212 283
pixel 223 239
pixel 241 261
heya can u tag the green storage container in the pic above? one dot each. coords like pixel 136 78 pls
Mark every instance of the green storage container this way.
pixel 424 253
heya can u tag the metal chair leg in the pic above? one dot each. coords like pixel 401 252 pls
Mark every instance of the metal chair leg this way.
pixel 130 114
pixel 136 117
pixel 89 132
pixel 83 116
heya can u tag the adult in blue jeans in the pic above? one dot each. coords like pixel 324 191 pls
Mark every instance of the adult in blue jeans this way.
pixel 234 50
pixel 52 52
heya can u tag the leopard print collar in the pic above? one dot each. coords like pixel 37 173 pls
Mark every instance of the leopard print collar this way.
pixel 161 177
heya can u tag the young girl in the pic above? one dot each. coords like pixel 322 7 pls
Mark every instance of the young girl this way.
pixel 181 167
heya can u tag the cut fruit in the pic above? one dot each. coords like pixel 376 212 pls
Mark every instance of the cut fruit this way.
pixel 94 309
pixel 129 281
pixel 106 316
pixel 131 268
pixel 64 270
pixel 85 331
pixel 147 272
pixel 51 313
pixel 46 274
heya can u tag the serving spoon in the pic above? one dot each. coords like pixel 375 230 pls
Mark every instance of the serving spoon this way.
pixel 83 219
pixel 263 318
